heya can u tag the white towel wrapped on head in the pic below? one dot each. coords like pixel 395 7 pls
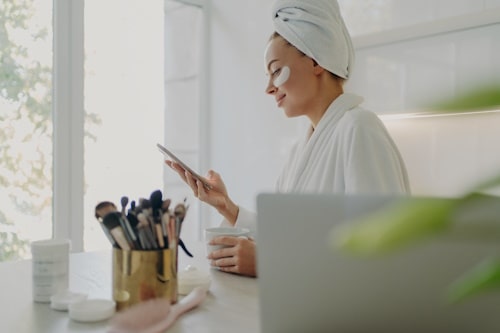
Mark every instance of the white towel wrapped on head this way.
pixel 316 28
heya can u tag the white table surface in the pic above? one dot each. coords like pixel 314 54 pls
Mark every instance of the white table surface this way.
pixel 231 304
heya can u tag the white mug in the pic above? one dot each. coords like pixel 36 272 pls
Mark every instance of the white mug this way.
pixel 211 233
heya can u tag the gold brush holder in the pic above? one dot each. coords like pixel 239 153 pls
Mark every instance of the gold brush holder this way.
pixel 142 275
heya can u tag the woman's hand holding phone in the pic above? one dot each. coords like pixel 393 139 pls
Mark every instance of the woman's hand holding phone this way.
pixel 183 165
pixel 210 190
pixel 216 197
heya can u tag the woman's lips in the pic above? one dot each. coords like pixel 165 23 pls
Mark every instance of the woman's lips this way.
pixel 279 99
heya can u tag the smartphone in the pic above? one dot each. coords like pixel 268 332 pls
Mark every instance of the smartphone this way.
pixel 174 158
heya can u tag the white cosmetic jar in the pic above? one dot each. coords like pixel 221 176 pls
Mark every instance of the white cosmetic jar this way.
pixel 50 268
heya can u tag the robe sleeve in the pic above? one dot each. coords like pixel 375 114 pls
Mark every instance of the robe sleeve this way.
pixel 246 219
pixel 373 163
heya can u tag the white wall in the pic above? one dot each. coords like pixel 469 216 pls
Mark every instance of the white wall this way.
pixel 409 75
pixel 371 16
pixel 448 155
pixel 250 136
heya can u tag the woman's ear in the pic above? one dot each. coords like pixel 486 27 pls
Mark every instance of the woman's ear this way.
pixel 317 69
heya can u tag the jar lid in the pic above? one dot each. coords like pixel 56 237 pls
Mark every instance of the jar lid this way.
pixel 191 277
pixel 62 300
pixel 50 246
pixel 92 310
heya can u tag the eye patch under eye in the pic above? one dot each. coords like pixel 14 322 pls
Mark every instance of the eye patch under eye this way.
pixel 282 77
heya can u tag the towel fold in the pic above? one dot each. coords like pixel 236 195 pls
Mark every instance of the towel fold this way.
pixel 316 28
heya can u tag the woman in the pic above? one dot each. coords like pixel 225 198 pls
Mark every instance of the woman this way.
pixel 346 149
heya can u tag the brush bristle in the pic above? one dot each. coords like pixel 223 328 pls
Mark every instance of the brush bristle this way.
pixel 111 220
pixel 102 207
pixel 134 221
pixel 180 210
pixel 156 199
pixel 144 203
pixel 124 201
pixel 165 205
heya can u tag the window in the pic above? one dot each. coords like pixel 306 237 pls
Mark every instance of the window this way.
pixel 185 109
pixel 142 86
pixel 124 105
pixel 107 91
pixel 26 125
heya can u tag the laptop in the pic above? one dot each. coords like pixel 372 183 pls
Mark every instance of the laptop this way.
pixel 305 286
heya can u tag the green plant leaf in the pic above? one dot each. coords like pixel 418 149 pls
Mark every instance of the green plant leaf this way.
pixel 392 227
pixel 483 277
pixel 485 97
pixel 487 184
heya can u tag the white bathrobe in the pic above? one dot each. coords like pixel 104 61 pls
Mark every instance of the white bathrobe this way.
pixel 350 151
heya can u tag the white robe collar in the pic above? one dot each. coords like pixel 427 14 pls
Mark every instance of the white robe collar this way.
pixel 334 113
pixel 305 147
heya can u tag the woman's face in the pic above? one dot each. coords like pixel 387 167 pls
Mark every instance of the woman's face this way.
pixel 295 94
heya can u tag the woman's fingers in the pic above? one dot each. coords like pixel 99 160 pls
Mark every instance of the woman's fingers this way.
pixel 191 182
pixel 239 259
pixel 202 191
pixel 230 251
pixel 223 262
pixel 177 168
pixel 225 240
pixel 186 176
pixel 198 188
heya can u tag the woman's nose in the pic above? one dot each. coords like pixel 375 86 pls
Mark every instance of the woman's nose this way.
pixel 270 89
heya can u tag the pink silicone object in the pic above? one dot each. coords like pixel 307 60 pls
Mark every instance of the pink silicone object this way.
pixel 156 315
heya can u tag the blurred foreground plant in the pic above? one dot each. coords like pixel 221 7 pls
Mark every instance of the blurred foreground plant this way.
pixel 400 224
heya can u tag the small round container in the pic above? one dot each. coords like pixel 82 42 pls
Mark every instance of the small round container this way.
pixel 50 268
pixel 190 278
pixel 92 310
pixel 61 301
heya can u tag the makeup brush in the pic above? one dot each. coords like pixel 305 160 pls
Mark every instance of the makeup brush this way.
pixel 164 224
pixel 172 241
pixel 156 202
pixel 112 223
pixel 144 228
pixel 132 207
pixel 124 203
pixel 147 209
pixel 183 247
pixel 178 217
pixel 134 222
pixel 102 209
pixel 165 218
pixel 180 211
pixel 130 233
pixel 144 203
pixel 165 205
pixel 127 229
pixel 125 223
pixel 141 231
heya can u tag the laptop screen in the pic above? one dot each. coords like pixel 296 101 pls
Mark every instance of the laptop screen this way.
pixel 305 286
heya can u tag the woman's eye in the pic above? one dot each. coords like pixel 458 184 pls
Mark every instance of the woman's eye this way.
pixel 276 72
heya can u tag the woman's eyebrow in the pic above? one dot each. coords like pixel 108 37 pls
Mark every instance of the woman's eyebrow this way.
pixel 270 63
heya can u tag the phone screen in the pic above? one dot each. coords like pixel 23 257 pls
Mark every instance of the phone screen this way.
pixel 177 160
